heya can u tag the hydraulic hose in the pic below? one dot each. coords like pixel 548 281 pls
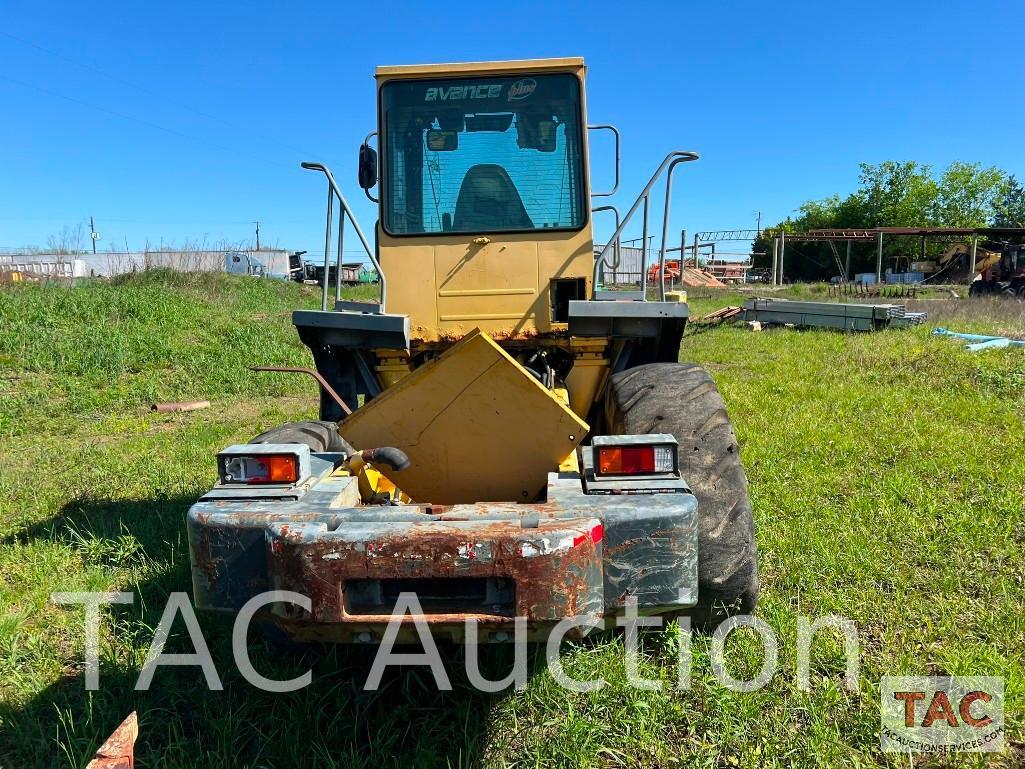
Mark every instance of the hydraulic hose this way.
pixel 391 457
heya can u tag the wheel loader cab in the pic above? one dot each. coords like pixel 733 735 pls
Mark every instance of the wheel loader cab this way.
pixel 484 197
pixel 549 455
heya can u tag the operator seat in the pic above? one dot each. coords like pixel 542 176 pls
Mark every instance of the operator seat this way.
pixel 488 200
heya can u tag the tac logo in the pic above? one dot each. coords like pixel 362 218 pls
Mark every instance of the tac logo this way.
pixel 521 89
pixel 942 714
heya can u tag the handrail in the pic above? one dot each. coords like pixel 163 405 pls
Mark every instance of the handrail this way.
pixel 615 132
pixel 672 160
pixel 332 192
pixel 665 230
pixel 617 252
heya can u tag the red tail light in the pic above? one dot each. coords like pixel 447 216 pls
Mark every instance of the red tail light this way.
pixel 635 460
pixel 262 468
pixel 626 460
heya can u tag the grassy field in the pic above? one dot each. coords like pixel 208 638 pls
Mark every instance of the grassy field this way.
pixel 887 477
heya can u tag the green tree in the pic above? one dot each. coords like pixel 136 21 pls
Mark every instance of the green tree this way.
pixel 898 194
pixel 969 193
pixel 816 214
pixel 1009 208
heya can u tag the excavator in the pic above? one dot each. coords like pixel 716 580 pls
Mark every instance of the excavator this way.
pixel 498 438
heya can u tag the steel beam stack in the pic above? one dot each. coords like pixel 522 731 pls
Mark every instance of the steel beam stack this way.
pixel 839 315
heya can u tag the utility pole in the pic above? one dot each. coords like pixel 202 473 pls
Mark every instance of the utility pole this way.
pixel 758 229
pixel 93 234
pixel 257 235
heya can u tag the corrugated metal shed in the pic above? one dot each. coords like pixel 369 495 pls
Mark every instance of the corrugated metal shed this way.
pixel 627 271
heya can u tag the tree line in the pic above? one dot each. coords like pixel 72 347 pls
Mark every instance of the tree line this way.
pixel 898 194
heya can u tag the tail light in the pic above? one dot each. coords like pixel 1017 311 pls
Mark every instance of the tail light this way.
pixel 261 464
pixel 272 468
pixel 635 460
pixel 632 464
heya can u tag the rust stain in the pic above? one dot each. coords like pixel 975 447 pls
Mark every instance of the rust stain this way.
pixel 550 582
pixel 203 559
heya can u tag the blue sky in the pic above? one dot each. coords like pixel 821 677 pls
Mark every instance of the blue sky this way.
pixel 187 121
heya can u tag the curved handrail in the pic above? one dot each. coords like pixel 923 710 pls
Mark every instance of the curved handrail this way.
pixel 665 228
pixel 615 133
pixel 346 211
pixel 672 160
pixel 617 253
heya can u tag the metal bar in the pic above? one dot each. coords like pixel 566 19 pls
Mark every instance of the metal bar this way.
pixel 971 265
pixel 347 211
pixel 665 231
pixel 782 250
pixel 327 246
pixel 313 373
pixel 879 258
pixel 662 260
pixel 644 250
pixel 616 251
pixel 373 388
pixel 694 251
pixel 683 257
pixel 850 316
pixel 338 265
pixel 775 260
pixel 615 132
pixel 712 235
pixel 847 264
pixel 685 155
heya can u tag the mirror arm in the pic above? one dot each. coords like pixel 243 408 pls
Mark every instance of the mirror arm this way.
pixel 366 143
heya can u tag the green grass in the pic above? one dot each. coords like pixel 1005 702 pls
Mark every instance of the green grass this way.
pixel 887 477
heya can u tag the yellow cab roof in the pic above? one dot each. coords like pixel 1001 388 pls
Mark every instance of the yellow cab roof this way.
pixel 569 63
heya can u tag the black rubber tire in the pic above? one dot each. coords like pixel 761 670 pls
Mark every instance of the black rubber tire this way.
pixel 319 435
pixel 681 399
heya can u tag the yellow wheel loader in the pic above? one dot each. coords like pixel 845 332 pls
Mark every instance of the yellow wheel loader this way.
pixel 498 436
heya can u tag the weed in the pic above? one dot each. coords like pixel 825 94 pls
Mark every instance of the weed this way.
pixel 886 477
